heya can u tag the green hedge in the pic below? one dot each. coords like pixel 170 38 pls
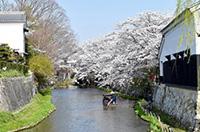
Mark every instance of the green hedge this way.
pixel 13 66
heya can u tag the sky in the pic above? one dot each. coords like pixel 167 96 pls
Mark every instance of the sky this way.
pixel 90 19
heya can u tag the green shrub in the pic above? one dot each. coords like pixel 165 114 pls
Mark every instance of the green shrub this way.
pixel 64 84
pixel 41 64
pixel 30 50
pixel 9 55
pixel 42 67
pixel 144 84
pixel 13 66
pixel 125 96
pixel 45 91
pixel 170 120
pixel 107 90
pixel 10 73
pixel 155 124
pixel 5 52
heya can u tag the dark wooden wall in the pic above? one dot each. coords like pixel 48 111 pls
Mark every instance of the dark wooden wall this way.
pixel 181 71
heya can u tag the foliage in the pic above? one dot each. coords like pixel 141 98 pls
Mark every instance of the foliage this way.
pixel 11 63
pixel 113 60
pixel 144 84
pixel 170 120
pixel 156 123
pixel 5 52
pixel 41 64
pixel 9 55
pixel 42 68
pixel 183 4
pixel 64 84
pixel 13 66
pixel 119 94
pixel 10 73
pixel 30 50
pixel 37 110
pixel 45 91
pixel 107 90
pixel 189 30
pixel 125 96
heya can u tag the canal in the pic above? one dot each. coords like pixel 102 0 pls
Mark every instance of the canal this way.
pixel 81 110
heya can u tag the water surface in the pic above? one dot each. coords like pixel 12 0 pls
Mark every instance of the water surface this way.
pixel 81 110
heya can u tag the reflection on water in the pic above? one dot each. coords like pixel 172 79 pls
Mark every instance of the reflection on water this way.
pixel 81 110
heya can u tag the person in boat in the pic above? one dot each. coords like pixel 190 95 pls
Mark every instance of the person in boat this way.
pixel 113 98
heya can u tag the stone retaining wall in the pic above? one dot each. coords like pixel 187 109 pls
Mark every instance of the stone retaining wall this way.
pixel 178 102
pixel 16 92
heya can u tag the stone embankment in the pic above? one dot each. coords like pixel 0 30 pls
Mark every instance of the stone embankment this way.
pixel 178 102
pixel 16 92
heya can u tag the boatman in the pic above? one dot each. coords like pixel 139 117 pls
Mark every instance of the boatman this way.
pixel 113 99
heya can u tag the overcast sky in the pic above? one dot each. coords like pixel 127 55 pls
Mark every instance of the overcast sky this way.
pixel 93 18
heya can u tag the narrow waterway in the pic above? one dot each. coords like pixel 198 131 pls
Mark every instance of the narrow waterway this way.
pixel 81 110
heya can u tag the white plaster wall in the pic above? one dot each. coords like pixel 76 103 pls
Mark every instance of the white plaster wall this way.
pixel 197 26
pixel 13 35
pixel 171 42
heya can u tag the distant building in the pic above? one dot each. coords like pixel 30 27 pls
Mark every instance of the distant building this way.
pixel 12 30
pixel 64 70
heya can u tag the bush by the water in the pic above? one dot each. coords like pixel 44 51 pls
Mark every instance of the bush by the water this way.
pixel 45 91
pixel 157 123
pixel 143 85
pixel 64 84
pixel 42 67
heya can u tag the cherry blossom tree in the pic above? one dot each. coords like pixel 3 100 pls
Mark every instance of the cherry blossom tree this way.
pixel 113 60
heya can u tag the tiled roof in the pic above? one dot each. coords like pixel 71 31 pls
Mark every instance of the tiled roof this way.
pixel 12 17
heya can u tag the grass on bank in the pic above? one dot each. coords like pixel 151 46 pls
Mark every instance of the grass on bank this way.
pixel 170 120
pixel 10 73
pixel 39 108
pixel 157 124
pixel 46 91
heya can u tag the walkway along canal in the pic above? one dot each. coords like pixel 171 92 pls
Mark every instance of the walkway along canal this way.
pixel 81 110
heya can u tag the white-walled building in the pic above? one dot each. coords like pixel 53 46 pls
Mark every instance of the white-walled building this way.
pixel 178 94
pixel 12 30
pixel 180 49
